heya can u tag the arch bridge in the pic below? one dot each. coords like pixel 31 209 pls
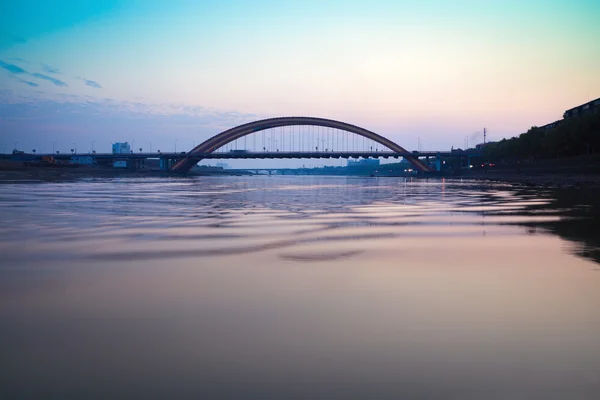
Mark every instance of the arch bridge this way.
pixel 208 148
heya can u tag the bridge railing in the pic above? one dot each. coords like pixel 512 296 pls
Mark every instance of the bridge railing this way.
pixel 266 154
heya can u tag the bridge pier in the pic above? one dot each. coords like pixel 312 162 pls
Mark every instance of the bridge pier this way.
pixel 167 163
pixel 137 164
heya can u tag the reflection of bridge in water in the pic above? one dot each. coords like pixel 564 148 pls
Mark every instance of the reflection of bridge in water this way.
pixel 292 138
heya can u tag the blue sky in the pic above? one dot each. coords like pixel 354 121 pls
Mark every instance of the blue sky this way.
pixel 435 70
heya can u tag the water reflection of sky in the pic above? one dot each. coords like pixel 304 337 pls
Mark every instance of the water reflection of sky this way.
pixel 272 286
pixel 236 211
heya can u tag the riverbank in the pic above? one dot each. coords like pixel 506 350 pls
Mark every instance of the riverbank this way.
pixel 549 180
pixel 568 172
pixel 53 175
pixel 557 179
pixel 70 174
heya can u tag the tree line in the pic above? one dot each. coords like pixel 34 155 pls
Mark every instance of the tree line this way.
pixel 570 137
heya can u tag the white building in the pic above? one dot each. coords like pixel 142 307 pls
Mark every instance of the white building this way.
pixel 121 148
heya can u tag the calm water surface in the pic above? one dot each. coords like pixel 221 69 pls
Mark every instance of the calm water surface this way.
pixel 298 287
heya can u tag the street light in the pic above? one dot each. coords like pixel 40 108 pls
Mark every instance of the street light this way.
pixel 74 149
pixel 93 145
pixel 175 145
pixel 150 143
pixel 53 143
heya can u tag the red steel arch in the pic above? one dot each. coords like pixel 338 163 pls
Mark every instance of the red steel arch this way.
pixel 217 141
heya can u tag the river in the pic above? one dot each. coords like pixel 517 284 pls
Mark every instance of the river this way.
pixel 298 287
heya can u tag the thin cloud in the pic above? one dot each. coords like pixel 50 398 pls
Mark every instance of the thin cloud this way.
pixel 48 117
pixel 8 38
pixel 18 59
pixel 57 82
pixel 50 70
pixel 16 70
pixel 32 84
pixel 93 84
pixel 12 68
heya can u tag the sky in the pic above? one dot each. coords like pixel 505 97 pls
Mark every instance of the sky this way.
pixel 174 73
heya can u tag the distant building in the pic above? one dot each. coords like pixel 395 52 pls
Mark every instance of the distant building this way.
pixel 365 162
pixel 482 145
pixel 206 168
pixel 222 165
pixel 590 107
pixel 121 148
pixel 82 159
pixel 551 125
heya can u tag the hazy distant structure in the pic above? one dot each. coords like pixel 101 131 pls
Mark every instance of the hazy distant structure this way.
pixel 121 148
pixel 480 146
pixel 222 165
pixel 366 162
pixel 591 107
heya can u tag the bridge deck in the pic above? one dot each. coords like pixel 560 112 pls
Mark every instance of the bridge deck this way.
pixel 268 155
